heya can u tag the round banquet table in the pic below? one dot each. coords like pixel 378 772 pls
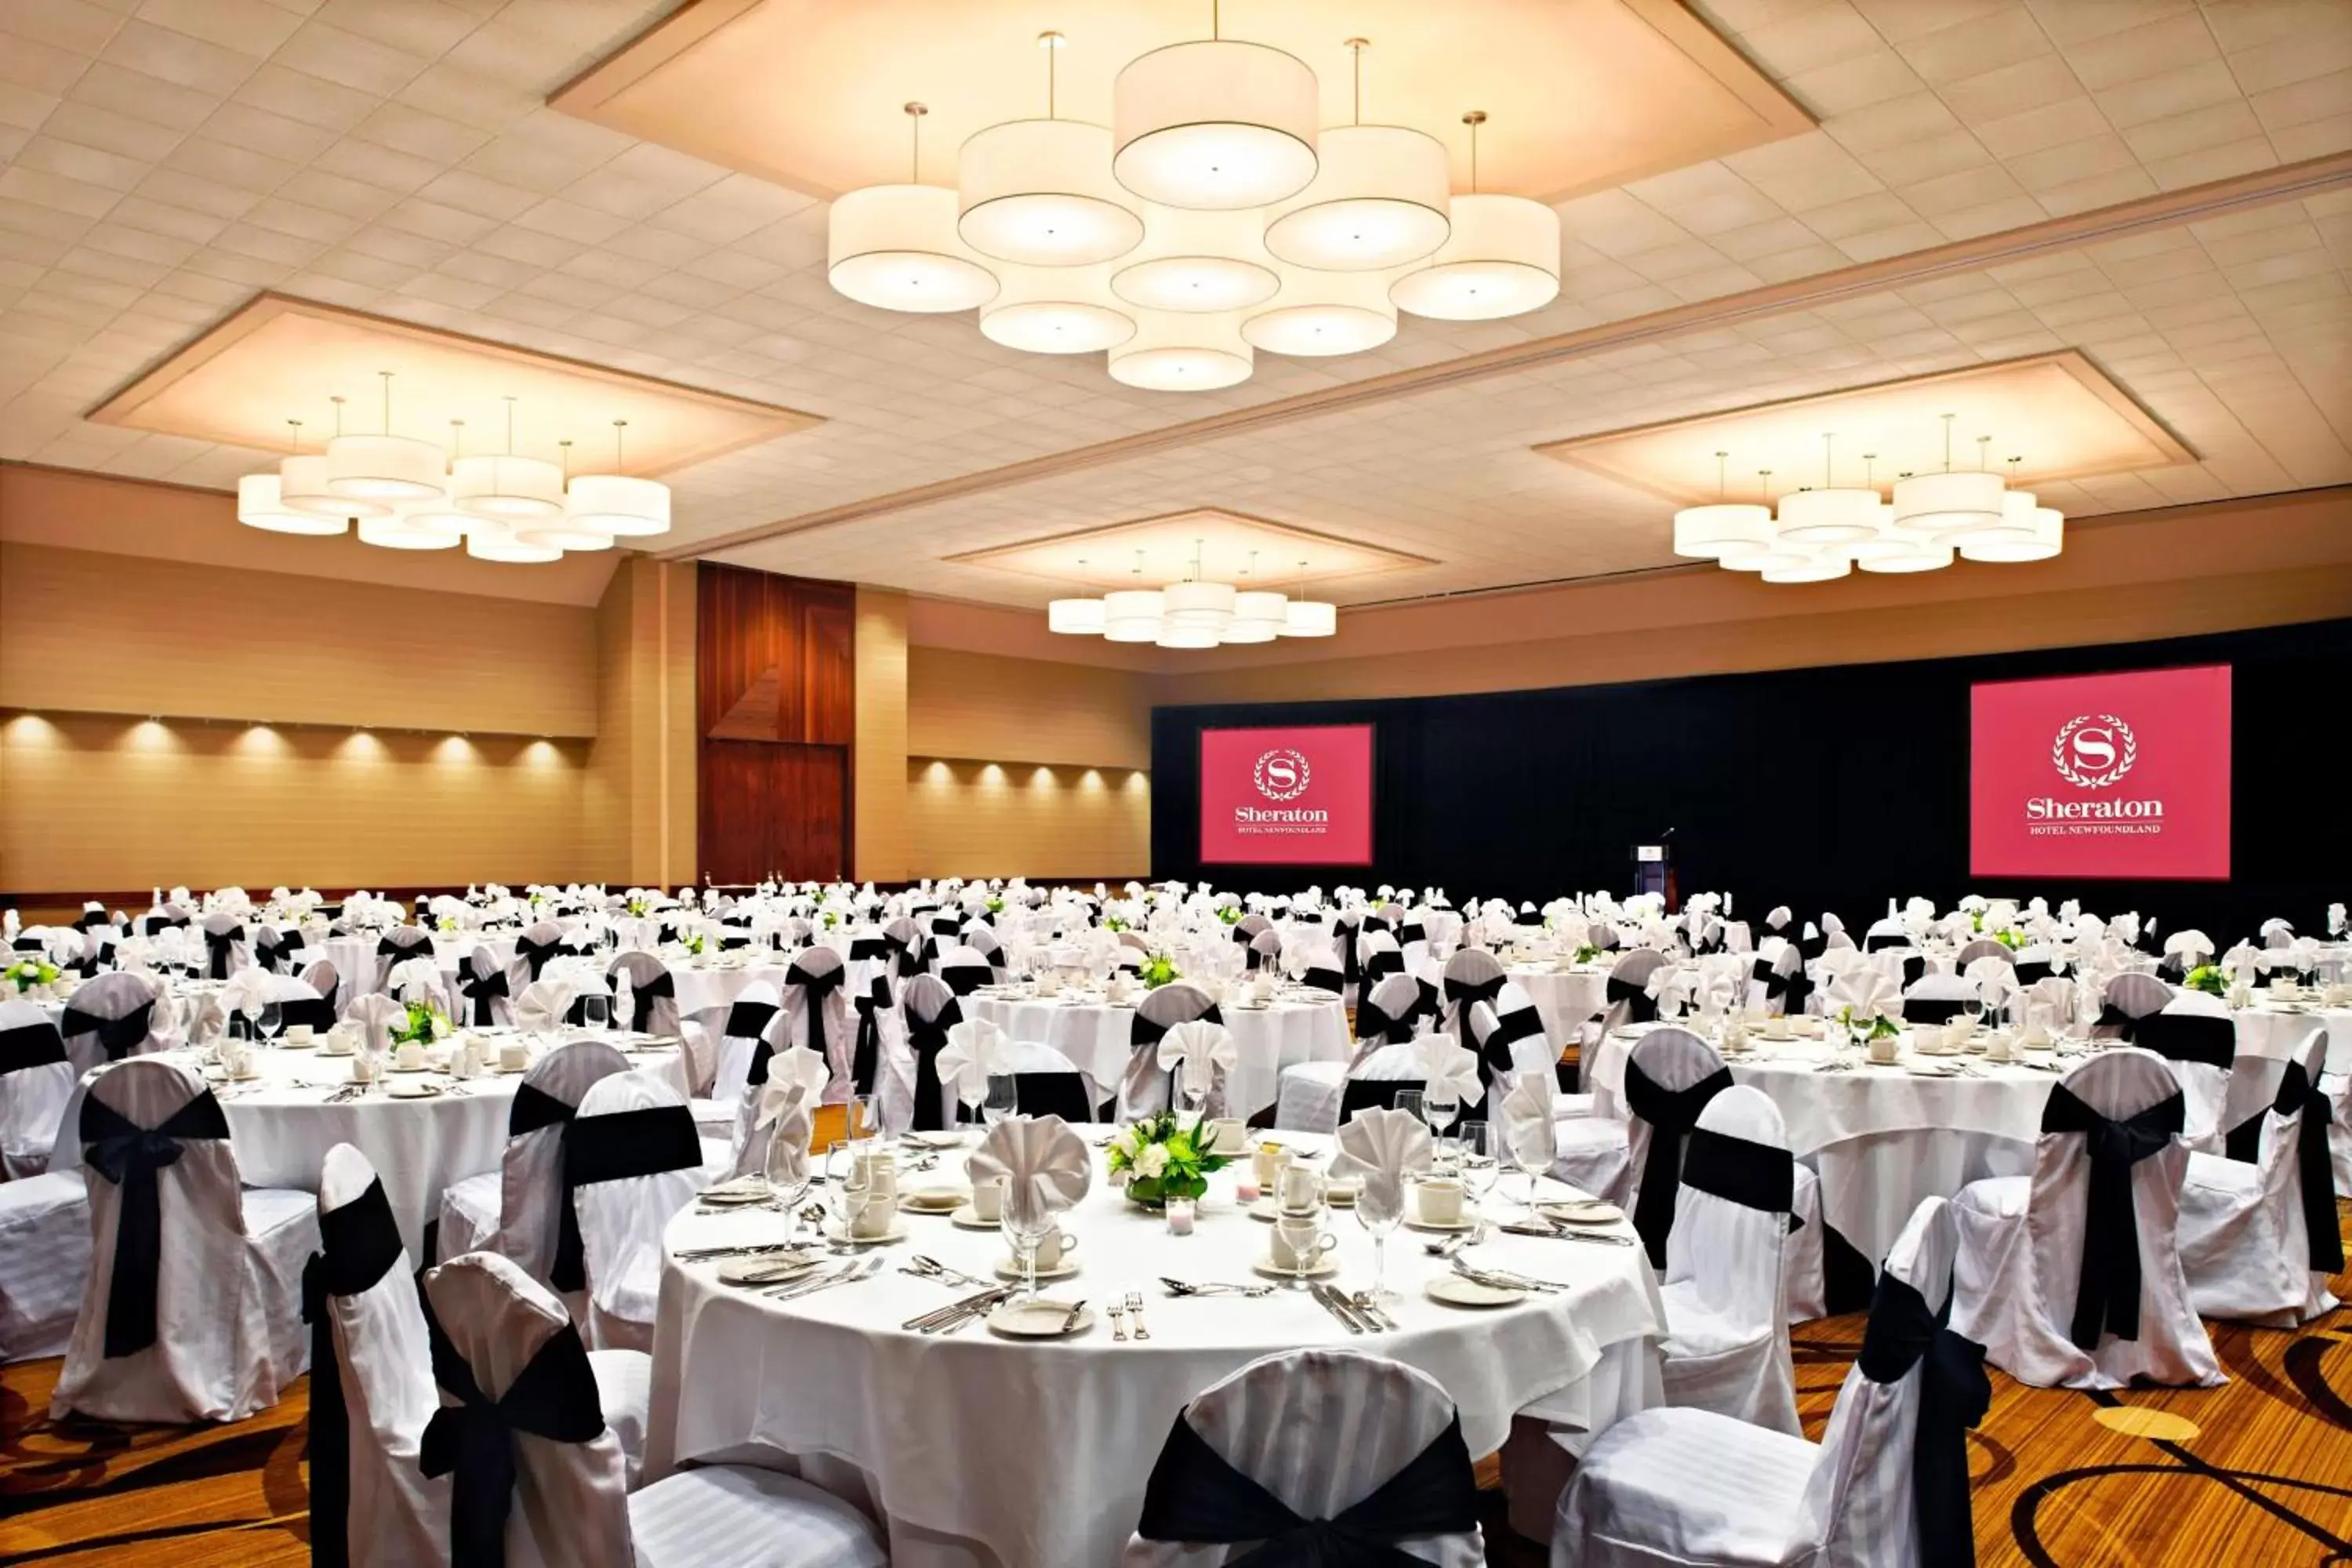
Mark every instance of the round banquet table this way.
pixel 707 988
pixel 973 1449
pixel 356 958
pixel 1565 998
pixel 281 1124
pixel 1099 1037
pixel 2266 1030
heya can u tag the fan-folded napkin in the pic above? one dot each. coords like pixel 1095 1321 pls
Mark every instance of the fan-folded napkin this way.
pixel 414 979
pixel 1450 1069
pixel 796 1082
pixel 1865 992
pixel 1527 1122
pixel 542 1004
pixel 1381 1146
pixel 976 1052
pixel 1046 1166
pixel 376 1016
pixel 247 990
pixel 1204 1050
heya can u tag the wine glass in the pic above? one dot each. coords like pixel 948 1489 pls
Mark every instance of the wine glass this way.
pixel 866 1117
pixel 786 1171
pixel 1442 1103
pixel 270 1021
pixel 842 1199
pixel 1003 1098
pixel 1025 1226
pixel 1380 1216
pixel 595 1010
pixel 1415 1102
pixel 1476 1161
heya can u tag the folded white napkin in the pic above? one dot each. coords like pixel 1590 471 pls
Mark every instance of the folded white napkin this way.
pixel 1381 1146
pixel 1996 979
pixel 2187 942
pixel 376 1016
pixel 415 979
pixel 1044 1164
pixel 2056 994
pixel 1204 1050
pixel 1449 1068
pixel 542 1004
pixel 1866 992
pixel 247 990
pixel 976 1052
pixel 1527 1122
pixel 2242 961
pixel 787 1113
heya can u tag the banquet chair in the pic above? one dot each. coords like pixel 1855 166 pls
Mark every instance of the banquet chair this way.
pixel 652 998
pixel 746 1040
pixel 300 1003
pixel 979 939
pixel 2197 1039
pixel 536 944
pixel 1369 1444
pixel 1723 1285
pixel 1312 960
pixel 2124 1000
pixel 2258 1236
pixel 1889 1474
pixel 1378 956
pixel 511 1209
pixel 1318 1096
pixel 818 1017
pixel 632 1160
pixel 321 977
pixel 1143 1088
pixel 914 1098
pixel 1670 1075
pixel 36 1080
pixel 44 1246
pixel 370 1381
pixel 396 946
pixel 227 947
pixel 1627 993
pixel 1264 953
pixel 192 1312
pixel 1884 933
pixel 113 1017
pixel 2071 1278
pixel 500 1338
pixel 965 969
pixel 1346 933
pixel 278 949
pixel 1778 961
pixel 1939 998
pixel 1982 947
pixel 1507 1033
pixel 1471 977
pixel 485 992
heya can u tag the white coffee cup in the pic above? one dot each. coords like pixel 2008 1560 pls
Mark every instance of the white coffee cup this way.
pixel 1301 1189
pixel 1270 1161
pixel 2000 1047
pixel 876 1171
pixel 514 1056
pixel 1440 1200
pixel 362 1067
pixel 1883 1047
pixel 410 1057
pixel 1299 1243
pixel 1052 1247
pixel 988 1201
pixel 299 1033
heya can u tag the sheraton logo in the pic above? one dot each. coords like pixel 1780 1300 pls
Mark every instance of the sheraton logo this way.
pixel 1281 774
pixel 2092 752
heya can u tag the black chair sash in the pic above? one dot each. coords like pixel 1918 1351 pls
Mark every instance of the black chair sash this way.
pixel 1641 1007
pixel 1932 1009
pixel 1410 932
pixel 116 1036
pixel 219 948
pixel 534 1107
pixel 2118 1024
pixel 927 1038
pixel 130 1155
pixel 963 979
pixel 89 918
pixel 1672 1114
pixel 1350 966
pixel 2032 972
pixel 866 1055
pixel 270 950
pixel 1144 1032
pixel 1461 996
pixel 472 1441
pixel 317 1012
pixel 401 944
pixel 1915 970
pixel 1510 1028
pixel 536 954
pixel 1775 984
pixel 2316 1178
pixel 1875 940
pixel 1753 1176
pixel 815 988
pixel 1324 979
pixel 749 1021
pixel 31 1046
pixel 2108 1296
pixel 2189 1038
pixel 1953 1394
pixel 661 987
pixel 482 991
pixel 1371 1094
pixel 29 944
pixel 1380 965
pixel 360 1244
pixel 608 1149
pixel 1196 1497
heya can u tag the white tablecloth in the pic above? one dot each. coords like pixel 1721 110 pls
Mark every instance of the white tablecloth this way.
pixel 2265 1031
pixel 1564 999
pixel 973 1448
pixel 1098 1038
pixel 354 957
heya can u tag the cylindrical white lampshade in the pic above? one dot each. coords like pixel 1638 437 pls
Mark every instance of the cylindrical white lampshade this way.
pixel 1182 352
pixel 386 468
pixel 1174 634
pixel 1942 504
pixel 1828 516
pixel 1708 531
pixel 1055 310
pixel 1310 618
pixel 1378 201
pixel 896 248
pixel 1921 555
pixel 487 540
pixel 1216 124
pixel 1197 261
pixel 1260 605
pixel 1773 557
pixel 1040 192
pixel 1322 313
pixel 1131 614
pixel 1827 563
pixel 2015 522
pixel 2044 536
pixel 1886 540
pixel 617 504
pixel 436 529
pixel 1074 618
pixel 1197 607
pixel 302 487
pixel 1501 259
pixel 500 485
pixel 258 506
pixel 565 532
pixel 1241 631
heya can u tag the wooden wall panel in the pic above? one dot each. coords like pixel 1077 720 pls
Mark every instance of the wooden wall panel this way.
pixel 776 708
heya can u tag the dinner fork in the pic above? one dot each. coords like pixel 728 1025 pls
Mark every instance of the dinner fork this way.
pixel 932 1268
pixel 1183 1288
pixel 1135 1314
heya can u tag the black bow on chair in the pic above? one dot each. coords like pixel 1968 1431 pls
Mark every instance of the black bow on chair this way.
pixel 536 954
pixel 1351 967
pixel 1775 984
pixel 1954 1393
pixel 115 1035
pixel 30 1045
pixel 360 1244
pixel 2189 1038
pixel 815 986
pixel 554 1398
pixel 1641 1007
pixel 608 1148
pixel 660 987
pixel 219 948
pixel 2316 1178
pixel 1196 1497
pixel 1461 996
pixel 271 950
pixel 130 1155
pixel 1372 1024
pixel 2108 1296
pixel 927 1038
pixel 1933 1009
pixel 482 991
pixel 865 1057
pixel 1672 1114
pixel 749 1021
pixel 1738 1170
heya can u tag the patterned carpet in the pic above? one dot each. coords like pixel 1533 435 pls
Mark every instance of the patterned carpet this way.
pixel 2258 1472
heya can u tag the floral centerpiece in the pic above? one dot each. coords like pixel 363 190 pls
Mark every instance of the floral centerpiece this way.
pixel 638 909
pixel 1586 954
pixel 994 904
pixel 1162 1157
pixel 1231 914
pixel 831 919
pixel 27 972
pixel 1113 923
pixel 694 943
pixel 1157 970
pixel 449 922
pixel 1864 1025
pixel 2009 937
pixel 423 1026
pixel 2208 978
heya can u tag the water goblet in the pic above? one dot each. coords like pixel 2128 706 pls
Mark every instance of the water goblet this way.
pixel 270 1021
pixel 1414 1102
pixel 1379 1215
pixel 1003 1098
pixel 1479 1166
pixel 1026 1223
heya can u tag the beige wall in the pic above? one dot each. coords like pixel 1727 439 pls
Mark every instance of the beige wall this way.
pixel 1028 820
pixel 882 846
pixel 640 822
pixel 976 705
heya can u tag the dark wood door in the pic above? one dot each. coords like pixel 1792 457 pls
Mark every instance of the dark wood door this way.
pixel 776 701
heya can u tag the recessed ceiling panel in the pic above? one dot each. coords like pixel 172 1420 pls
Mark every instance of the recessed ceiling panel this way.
pixel 1579 94
pixel 1226 547
pixel 281 358
pixel 2058 414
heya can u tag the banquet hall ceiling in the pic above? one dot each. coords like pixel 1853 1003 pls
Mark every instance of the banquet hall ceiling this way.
pixel 2164 187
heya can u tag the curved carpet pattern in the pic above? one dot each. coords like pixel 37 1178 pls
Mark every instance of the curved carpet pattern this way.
pixel 2257 1472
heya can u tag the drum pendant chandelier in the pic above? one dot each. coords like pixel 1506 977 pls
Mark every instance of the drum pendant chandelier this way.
pixel 1211 218
pixel 1194 612
pixel 1819 535
pixel 407 493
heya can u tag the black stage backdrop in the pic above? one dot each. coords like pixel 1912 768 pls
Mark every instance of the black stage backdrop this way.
pixel 1831 788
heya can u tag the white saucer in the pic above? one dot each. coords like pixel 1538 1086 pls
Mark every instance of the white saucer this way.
pixel 1456 1292
pixel 1007 1269
pixel 1325 1267
pixel 1269 1210
pixel 965 1218
pixel 1414 1222
pixel 935 1199
pixel 413 1089
pixel 1591 1211
pixel 895 1233
pixel 1039 1319
pixel 733 1196
pixel 774 1270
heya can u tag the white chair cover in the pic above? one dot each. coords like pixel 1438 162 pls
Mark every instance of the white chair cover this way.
pixel 1727 1345
pixel 225 1335
pixel 513 1209
pixel 621 1219
pixel 2022 1241
pixel 1768 1498
pixel 36 1080
pixel 2204 1084
pixel 1143 1087
pixel 1309 1095
pixel 754 1018
pixel 817 1011
pixel 1321 1430
pixel 98 1020
pixel 2245 1245
pixel 407 943
pixel 483 993
pixel 44 1248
